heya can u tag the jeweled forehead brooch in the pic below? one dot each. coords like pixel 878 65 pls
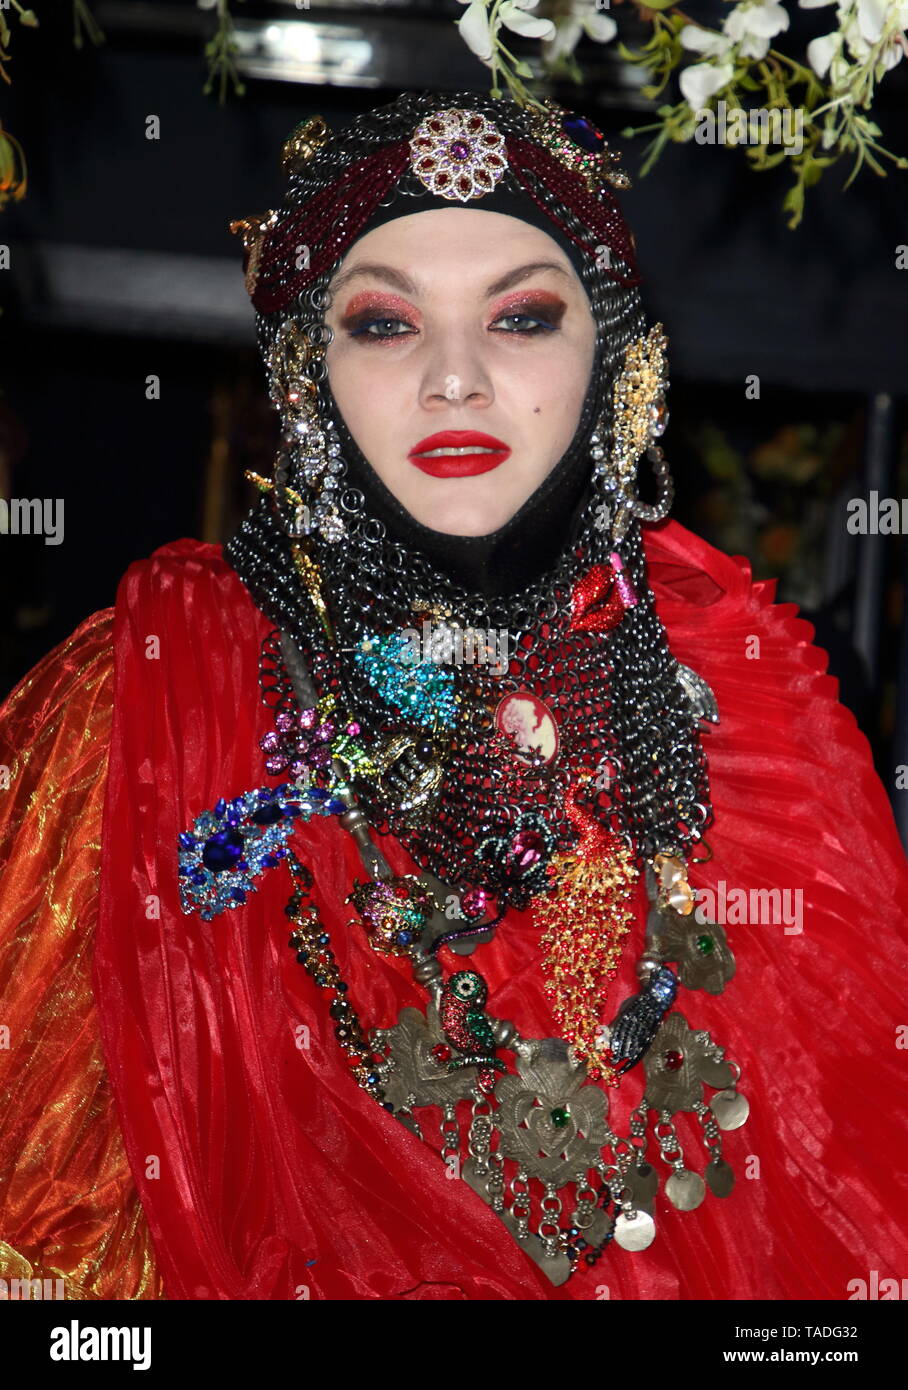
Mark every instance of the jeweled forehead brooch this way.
pixel 458 154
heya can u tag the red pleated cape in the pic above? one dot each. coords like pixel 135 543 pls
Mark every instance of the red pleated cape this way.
pixel 266 1173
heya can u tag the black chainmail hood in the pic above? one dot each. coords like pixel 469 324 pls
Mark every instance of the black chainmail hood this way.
pixel 520 578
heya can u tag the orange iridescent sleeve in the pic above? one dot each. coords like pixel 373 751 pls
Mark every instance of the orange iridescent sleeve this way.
pixel 69 1211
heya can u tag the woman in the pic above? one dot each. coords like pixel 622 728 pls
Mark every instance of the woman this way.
pixel 510 1018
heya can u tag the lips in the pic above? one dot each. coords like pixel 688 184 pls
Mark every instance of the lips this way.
pixel 458 454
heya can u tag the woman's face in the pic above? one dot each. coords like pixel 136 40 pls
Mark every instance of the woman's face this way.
pixel 462 350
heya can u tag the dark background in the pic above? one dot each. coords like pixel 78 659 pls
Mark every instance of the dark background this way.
pixel 122 267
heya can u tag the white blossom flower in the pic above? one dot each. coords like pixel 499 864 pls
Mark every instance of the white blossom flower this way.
pixel 821 51
pixel 703 80
pixel 513 15
pixel 881 19
pixel 862 33
pixel 893 52
pixel 753 23
pixel 583 18
pixel 702 41
pixel 864 26
pixel 597 25
pixel 871 15
pixel 476 31
pixel 746 31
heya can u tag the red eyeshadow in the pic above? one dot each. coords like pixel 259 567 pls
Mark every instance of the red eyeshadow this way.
pixel 378 304
pixel 552 306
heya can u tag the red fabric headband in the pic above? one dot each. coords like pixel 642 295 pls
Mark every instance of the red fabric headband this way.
pixel 308 239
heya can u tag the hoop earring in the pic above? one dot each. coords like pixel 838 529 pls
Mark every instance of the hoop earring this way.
pixel 658 510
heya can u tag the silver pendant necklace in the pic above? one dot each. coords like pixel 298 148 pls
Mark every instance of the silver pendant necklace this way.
pixel 538 1140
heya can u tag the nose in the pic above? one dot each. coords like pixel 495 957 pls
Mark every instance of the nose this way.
pixel 455 374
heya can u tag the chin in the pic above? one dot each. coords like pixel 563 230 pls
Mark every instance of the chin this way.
pixel 462 518
pixel 467 506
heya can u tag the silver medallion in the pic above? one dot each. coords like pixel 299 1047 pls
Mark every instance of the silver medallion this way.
pixel 685 1190
pixel 635 1232
pixel 549 1121
pixel 700 948
pixel 599 1227
pixel 720 1176
pixel 716 1073
pixel 411 1075
pixel 730 1108
pixel 672 1065
pixel 643 1181
pixel 556 1268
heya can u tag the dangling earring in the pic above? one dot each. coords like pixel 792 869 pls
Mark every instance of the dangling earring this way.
pixel 658 510
pixel 308 462
pixel 640 417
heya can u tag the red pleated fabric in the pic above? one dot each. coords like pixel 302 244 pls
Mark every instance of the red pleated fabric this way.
pixel 266 1173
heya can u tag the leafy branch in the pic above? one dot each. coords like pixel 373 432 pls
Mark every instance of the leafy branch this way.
pixel 221 52
pixel 28 19
pixel 827 99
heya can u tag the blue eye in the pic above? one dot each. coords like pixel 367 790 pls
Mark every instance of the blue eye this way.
pixel 537 325
pixel 366 328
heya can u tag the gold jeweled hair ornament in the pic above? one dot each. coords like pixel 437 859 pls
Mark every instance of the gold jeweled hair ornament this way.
pixel 304 144
pixel 577 144
pixel 458 154
pixel 253 230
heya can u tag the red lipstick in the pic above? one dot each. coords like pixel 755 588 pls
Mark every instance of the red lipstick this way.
pixel 458 454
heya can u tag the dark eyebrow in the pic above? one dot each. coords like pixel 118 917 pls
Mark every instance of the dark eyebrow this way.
pixel 402 282
pixel 379 272
pixel 522 272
